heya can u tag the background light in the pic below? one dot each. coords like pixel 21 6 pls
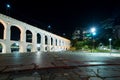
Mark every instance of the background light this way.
pixel 8 5
pixel 49 26
pixel 110 39
pixel 94 33
pixel 93 30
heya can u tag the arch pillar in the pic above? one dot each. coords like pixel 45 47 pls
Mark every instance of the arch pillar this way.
pixel 23 35
pixel 34 42
pixel 4 50
pixel 23 41
pixel 8 47
pixel 7 32
pixel 42 42
pixel 49 43
pixel 3 47
pixel 57 47
pixel 53 46
pixel 22 47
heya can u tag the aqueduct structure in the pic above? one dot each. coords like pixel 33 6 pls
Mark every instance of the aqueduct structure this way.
pixel 18 36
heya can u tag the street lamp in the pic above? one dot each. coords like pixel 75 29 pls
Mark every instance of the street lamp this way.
pixel 8 5
pixel 110 46
pixel 93 30
pixel 8 9
pixel 49 28
pixel 93 33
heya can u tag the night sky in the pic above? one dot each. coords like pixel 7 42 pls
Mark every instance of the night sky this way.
pixel 63 16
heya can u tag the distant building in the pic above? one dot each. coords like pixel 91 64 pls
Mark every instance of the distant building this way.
pixel 86 34
pixel 77 34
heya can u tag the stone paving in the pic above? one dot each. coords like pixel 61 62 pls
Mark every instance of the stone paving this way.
pixel 63 73
pixel 59 68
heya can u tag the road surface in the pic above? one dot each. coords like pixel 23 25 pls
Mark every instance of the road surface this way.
pixel 60 66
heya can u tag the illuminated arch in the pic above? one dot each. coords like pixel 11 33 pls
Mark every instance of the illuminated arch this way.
pixel 1 31
pixel 4 24
pixel 38 42
pixel 38 38
pixel 56 42
pixel 3 48
pixel 15 47
pixel 51 41
pixel 46 40
pixel 28 36
pixel 15 33
pixel 29 48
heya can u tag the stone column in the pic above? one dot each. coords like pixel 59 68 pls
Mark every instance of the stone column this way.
pixel 23 47
pixel 34 42
pixel 42 42
pixel 49 43
pixel 23 41
pixel 58 45
pixel 7 33
pixel 23 35
pixel 8 47
pixel 53 45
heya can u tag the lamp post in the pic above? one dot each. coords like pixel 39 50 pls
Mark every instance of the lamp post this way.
pixel 93 33
pixel 49 28
pixel 8 5
pixel 8 9
pixel 110 46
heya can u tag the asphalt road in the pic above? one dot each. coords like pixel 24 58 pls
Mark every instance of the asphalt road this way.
pixel 53 59
pixel 76 65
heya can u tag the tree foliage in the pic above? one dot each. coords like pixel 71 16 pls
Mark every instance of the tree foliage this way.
pixel 85 44
pixel 116 44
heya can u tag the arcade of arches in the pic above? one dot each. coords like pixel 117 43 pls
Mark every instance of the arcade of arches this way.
pixel 17 36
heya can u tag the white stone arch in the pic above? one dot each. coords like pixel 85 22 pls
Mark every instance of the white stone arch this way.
pixel 63 43
pixel 5 26
pixel 27 36
pixel 39 41
pixel 3 47
pixel 2 28
pixel 56 48
pixel 56 42
pixel 15 47
pixel 52 41
pixel 29 48
pixel 22 30
pixel 46 40
pixel 38 38
pixel 23 27
pixel 21 43
pixel 60 42
pixel 19 28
